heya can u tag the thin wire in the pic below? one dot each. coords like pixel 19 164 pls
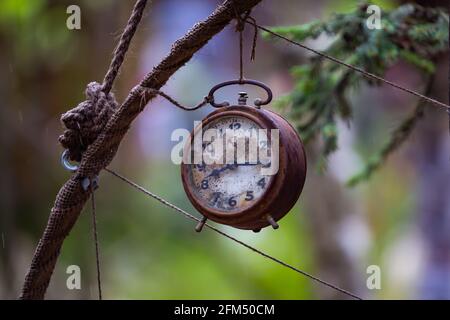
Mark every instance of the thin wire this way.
pixel 362 71
pixel 265 255
pixel 241 63
pixel 240 28
pixel 205 101
pixel 94 224
pixel 255 38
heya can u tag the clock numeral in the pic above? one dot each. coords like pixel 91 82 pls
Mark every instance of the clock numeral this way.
pixel 205 184
pixel 249 196
pixel 216 197
pixel 235 125
pixel 262 183
pixel 232 202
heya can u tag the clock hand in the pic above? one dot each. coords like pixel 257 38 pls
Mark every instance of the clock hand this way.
pixel 216 172
pixel 254 164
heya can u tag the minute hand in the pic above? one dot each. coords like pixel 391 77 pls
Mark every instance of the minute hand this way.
pixel 216 172
pixel 254 164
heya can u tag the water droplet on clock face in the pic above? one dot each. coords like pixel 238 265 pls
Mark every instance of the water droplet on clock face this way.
pixel 237 184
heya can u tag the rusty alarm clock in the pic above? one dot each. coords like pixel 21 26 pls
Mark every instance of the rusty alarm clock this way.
pixel 243 166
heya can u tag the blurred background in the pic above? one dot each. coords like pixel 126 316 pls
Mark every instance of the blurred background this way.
pixel 399 220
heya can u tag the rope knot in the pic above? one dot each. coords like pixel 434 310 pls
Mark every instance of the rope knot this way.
pixel 85 122
pixel 240 23
pixel 240 19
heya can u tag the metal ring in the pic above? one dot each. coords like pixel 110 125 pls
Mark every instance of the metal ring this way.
pixel 66 162
pixel 257 102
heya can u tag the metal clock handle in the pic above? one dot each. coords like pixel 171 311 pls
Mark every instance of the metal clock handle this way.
pixel 258 102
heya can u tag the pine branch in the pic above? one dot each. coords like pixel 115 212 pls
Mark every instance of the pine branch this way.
pixel 396 140
pixel 410 33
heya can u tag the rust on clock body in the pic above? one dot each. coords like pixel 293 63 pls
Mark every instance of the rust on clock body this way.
pixel 235 194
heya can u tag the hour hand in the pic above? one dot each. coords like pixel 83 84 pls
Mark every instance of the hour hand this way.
pixel 216 172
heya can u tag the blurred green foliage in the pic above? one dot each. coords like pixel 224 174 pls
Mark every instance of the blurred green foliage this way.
pixel 153 253
pixel 33 29
pixel 409 33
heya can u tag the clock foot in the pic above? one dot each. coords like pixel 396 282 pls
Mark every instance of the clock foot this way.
pixel 200 224
pixel 272 222
pixel 256 230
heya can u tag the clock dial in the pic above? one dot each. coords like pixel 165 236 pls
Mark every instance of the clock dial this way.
pixel 239 183
pixel 235 178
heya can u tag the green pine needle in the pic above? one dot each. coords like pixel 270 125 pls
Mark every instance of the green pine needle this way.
pixel 410 33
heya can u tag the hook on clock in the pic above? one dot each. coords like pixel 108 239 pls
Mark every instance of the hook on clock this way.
pixel 258 102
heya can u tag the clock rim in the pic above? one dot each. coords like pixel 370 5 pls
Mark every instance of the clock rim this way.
pixel 245 215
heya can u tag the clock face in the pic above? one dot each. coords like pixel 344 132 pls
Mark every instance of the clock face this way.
pixel 233 185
